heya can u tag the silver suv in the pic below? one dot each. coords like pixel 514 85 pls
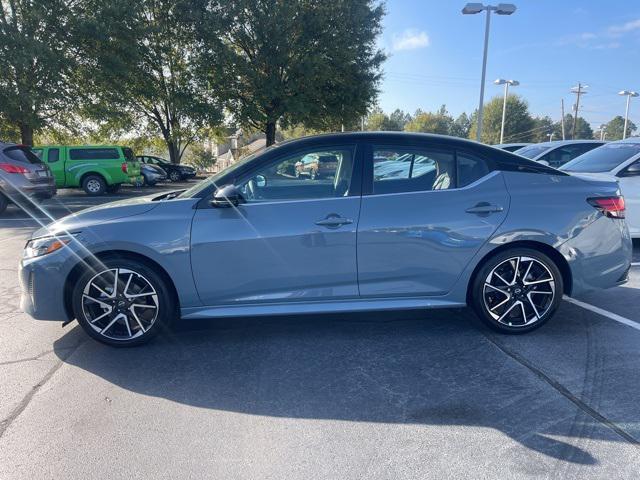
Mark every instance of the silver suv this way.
pixel 23 177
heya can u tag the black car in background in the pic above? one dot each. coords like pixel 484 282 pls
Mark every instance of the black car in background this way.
pixel 174 172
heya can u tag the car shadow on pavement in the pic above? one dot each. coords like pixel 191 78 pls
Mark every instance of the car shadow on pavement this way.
pixel 405 367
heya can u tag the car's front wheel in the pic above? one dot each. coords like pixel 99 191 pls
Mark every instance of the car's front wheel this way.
pixel 517 290
pixel 123 302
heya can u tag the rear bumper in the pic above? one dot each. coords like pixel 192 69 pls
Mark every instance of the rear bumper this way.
pixel 599 256
pixel 36 191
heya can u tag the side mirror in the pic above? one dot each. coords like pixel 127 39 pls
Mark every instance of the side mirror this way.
pixel 543 162
pixel 261 181
pixel 632 170
pixel 227 196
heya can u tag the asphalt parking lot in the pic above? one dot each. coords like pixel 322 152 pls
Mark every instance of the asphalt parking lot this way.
pixel 401 395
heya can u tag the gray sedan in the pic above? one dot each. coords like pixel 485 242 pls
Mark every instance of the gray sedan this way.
pixel 556 154
pixel 472 225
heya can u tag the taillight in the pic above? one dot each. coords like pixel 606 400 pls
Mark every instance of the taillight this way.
pixel 612 207
pixel 125 167
pixel 10 168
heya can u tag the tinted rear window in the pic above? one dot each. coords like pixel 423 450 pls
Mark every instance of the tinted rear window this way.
pixel 21 154
pixel 94 154
pixel 603 159
pixel 532 151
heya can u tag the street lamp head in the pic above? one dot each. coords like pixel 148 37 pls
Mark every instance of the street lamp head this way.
pixel 472 8
pixel 505 8
pixel 500 81
pixel 629 93
pixel 514 83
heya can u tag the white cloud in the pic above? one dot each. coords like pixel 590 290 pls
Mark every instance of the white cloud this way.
pixel 625 27
pixel 410 39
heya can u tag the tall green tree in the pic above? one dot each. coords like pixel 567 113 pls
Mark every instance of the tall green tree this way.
pixel 518 126
pixel 37 63
pixel 461 126
pixel 139 71
pixel 542 128
pixel 583 129
pixel 308 62
pixel 615 127
pixel 439 122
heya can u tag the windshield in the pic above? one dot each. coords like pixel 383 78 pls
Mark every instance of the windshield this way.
pixel 603 159
pixel 204 184
pixel 533 151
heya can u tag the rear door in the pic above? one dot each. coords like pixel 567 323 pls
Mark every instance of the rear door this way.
pixel 426 210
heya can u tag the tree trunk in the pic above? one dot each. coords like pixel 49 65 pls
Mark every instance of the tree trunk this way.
pixel 174 156
pixel 270 132
pixel 26 134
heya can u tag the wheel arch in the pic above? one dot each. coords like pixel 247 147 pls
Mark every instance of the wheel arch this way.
pixel 107 179
pixel 94 261
pixel 548 250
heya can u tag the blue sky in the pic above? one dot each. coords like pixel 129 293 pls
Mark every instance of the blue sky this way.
pixel 436 55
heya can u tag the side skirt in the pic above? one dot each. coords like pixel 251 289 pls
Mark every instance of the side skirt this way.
pixel 301 308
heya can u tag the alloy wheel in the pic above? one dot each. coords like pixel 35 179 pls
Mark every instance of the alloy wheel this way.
pixel 120 304
pixel 519 291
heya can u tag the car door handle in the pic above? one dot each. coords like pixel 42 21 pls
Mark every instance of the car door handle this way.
pixel 334 221
pixel 484 208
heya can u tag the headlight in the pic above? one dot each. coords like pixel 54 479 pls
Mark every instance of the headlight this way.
pixel 42 246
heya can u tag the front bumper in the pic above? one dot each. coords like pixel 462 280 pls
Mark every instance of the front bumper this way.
pixel 42 285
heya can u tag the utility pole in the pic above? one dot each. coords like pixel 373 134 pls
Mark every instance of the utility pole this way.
pixel 562 119
pixel 578 90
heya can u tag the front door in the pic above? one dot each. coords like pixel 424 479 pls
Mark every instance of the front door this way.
pixel 294 238
pixel 427 211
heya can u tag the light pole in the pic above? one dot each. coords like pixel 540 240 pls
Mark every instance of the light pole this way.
pixel 602 131
pixel 506 83
pixel 472 9
pixel 628 94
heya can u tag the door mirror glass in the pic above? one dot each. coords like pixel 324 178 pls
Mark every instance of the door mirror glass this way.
pixel 632 170
pixel 227 196
pixel 543 162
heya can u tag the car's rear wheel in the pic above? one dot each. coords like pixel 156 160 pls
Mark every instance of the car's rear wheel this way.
pixel 517 290
pixel 175 176
pixel 94 185
pixel 3 203
pixel 123 302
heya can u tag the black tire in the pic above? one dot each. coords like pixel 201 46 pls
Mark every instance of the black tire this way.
pixel 120 334
pixel 535 307
pixel 94 185
pixel 114 188
pixel 175 176
pixel 146 182
pixel 3 203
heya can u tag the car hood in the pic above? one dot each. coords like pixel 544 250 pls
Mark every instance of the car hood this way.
pixel 99 214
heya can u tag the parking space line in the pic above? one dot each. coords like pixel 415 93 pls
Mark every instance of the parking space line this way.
pixel 605 313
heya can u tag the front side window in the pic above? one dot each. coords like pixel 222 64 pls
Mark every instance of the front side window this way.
pixel 397 170
pixel 94 154
pixel 322 173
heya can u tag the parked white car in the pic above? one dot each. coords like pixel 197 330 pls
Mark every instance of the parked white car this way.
pixel 620 161
pixel 559 152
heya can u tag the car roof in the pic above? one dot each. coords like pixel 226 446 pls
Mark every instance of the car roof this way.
pixel 628 140
pixel 80 146
pixel 515 144
pixel 559 143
